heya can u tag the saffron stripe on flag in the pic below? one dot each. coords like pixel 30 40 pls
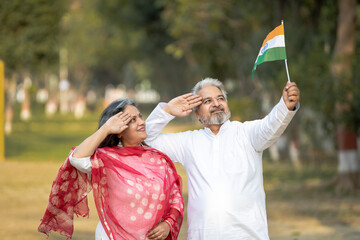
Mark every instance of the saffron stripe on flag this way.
pixel 279 30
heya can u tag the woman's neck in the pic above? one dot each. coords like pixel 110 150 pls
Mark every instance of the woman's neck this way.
pixel 125 144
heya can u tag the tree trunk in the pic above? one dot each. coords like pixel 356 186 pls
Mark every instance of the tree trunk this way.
pixel 348 165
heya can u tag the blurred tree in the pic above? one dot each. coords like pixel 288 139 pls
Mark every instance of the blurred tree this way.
pixel 139 27
pixel 29 41
pixel 30 34
pixel 342 70
pixel 83 35
pixel 216 37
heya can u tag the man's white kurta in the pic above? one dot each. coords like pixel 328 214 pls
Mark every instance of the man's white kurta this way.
pixel 226 193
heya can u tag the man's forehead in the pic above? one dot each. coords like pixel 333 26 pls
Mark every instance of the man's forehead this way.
pixel 209 91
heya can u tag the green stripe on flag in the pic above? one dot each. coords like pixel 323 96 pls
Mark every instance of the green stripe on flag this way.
pixel 272 54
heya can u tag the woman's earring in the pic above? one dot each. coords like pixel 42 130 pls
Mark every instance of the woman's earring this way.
pixel 120 143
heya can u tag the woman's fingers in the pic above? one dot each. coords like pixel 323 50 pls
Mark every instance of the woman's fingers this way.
pixel 156 236
pixel 160 232
pixel 156 233
pixel 123 117
pixel 127 119
pixel 153 234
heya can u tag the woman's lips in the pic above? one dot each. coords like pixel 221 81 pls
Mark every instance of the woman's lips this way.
pixel 141 129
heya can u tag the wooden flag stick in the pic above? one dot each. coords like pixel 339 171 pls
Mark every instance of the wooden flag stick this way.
pixel 286 66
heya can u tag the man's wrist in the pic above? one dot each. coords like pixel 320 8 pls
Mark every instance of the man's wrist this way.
pixel 166 108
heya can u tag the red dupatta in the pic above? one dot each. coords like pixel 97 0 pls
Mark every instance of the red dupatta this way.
pixel 134 189
pixel 68 196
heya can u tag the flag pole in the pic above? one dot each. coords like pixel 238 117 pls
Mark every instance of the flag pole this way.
pixel 287 71
pixel 286 66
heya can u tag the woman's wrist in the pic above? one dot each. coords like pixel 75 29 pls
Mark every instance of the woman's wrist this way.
pixel 105 130
pixel 168 223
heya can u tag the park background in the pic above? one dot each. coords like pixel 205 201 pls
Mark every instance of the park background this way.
pixel 66 60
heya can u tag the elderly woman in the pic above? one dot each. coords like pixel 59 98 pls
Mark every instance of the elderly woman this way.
pixel 136 188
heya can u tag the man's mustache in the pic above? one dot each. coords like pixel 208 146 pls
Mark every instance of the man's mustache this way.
pixel 217 108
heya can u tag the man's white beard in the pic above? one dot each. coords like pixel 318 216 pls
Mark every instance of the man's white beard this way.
pixel 215 119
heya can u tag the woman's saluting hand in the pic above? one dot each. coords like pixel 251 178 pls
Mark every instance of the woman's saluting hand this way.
pixel 114 125
pixel 118 123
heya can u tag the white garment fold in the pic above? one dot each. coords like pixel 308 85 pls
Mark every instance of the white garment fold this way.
pixel 225 176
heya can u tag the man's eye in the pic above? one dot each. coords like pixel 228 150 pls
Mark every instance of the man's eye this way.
pixel 206 101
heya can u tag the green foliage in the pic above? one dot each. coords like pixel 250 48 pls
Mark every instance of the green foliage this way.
pixel 30 34
pixel 214 36
pixel 243 108
pixel 139 27
pixel 173 44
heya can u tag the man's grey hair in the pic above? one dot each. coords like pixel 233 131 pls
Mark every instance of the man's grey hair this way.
pixel 209 82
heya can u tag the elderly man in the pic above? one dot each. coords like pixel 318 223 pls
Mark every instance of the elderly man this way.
pixel 223 161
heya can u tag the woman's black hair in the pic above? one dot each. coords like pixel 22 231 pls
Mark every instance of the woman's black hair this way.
pixel 114 108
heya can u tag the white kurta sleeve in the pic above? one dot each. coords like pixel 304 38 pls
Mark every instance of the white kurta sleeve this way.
pixel 169 143
pixel 263 133
pixel 82 164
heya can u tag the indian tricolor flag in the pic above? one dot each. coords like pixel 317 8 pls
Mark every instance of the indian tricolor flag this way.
pixel 273 47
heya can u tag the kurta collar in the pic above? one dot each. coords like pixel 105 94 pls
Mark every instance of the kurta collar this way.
pixel 223 127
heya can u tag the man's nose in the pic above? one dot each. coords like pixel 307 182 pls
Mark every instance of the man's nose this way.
pixel 216 103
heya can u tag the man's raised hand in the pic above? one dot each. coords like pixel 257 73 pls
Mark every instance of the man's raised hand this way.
pixel 291 95
pixel 182 106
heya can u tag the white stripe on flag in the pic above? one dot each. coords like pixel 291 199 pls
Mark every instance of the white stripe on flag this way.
pixel 278 41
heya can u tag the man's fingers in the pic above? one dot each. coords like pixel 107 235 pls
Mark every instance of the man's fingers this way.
pixel 292 99
pixel 194 104
pixel 293 93
pixel 288 85
pixel 193 98
pixel 194 101
pixel 187 95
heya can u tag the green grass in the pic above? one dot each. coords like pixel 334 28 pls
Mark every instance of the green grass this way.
pixel 50 139
pixel 42 139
